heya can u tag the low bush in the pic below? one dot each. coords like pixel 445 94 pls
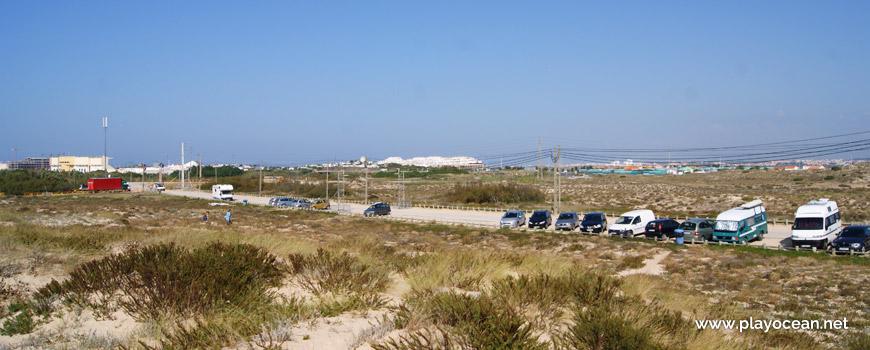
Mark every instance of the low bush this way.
pixel 481 193
pixel 337 273
pixel 166 280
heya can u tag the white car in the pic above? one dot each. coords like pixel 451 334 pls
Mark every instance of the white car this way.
pixel 632 223
pixel 158 187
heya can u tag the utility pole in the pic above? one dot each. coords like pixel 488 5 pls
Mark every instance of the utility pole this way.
pixel 539 174
pixel 105 143
pixel 557 188
pixel 199 177
pixel 260 191
pixel 327 180
pixel 181 172
pixel 340 192
pixel 366 178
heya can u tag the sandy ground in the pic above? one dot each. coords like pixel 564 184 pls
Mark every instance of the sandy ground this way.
pixel 652 266
pixel 779 234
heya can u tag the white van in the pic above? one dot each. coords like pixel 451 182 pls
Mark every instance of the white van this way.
pixel 222 192
pixel 632 223
pixel 816 224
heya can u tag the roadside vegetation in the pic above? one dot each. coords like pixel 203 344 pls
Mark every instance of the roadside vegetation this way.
pixel 136 271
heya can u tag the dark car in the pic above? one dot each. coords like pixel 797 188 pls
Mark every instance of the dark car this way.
pixel 594 222
pixel 698 229
pixel 541 219
pixel 661 227
pixel 377 209
pixel 852 238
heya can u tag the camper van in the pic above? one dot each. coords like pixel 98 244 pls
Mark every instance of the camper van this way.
pixel 222 192
pixel 742 224
pixel 632 223
pixel 816 224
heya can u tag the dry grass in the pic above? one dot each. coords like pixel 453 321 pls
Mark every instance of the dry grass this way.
pixel 442 285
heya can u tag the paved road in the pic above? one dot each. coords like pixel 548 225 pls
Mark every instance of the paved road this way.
pixel 779 234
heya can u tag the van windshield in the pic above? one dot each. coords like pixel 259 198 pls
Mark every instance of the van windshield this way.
pixel 624 220
pixel 808 224
pixel 726 226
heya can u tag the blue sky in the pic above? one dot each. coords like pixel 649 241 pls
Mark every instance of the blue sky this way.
pixel 288 82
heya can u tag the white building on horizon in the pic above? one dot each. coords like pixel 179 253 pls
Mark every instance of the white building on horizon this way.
pixel 462 162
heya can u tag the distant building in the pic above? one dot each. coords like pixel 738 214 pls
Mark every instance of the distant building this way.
pixel 436 162
pixel 4 166
pixel 31 163
pixel 77 163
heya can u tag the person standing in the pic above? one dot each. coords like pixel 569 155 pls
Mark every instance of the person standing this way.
pixel 229 217
pixel 205 218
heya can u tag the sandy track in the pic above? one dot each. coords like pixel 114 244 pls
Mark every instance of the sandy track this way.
pixel 779 234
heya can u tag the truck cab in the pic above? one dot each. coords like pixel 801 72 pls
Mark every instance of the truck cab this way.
pixel 222 192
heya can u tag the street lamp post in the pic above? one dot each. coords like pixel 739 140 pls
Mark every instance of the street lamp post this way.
pixel 105 143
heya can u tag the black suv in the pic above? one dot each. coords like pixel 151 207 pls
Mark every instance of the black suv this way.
pixel 594 222
pixel 661 227
pixel 377 209
pixel 541 219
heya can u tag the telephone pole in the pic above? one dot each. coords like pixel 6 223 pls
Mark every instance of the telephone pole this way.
pixel 366 178
pixel 557 181
pixel 199 177
pixel 539 175
pixel 260 191
pixel 181 172
pixel 327 179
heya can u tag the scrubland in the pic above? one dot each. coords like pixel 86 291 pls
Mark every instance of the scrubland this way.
pixel 135 271
pixel 701 195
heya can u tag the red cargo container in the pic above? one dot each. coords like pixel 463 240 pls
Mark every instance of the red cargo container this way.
pixel 104 184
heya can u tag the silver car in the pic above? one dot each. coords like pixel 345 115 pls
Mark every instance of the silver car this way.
pixel 301 203
pixel 568 221
pixel 513 218
pixel 284 202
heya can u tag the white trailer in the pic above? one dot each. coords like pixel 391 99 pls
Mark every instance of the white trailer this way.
pixel 222 192
pixel 816 223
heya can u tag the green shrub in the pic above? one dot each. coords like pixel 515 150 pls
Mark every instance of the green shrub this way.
pixel 797 179
pixel 165 279
pixel 326 272
pixel 829 177
pixel 467 322
pixel 836 168
pixel 600 327
pixel 481 193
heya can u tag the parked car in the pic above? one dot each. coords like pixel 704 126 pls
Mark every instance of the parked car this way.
pixel 158 187
pixel 301 203
pixel 513 218
pixel 541 219
pixel 272 201
pixel 377 209
pixel 852 238
pixel 661 228
pixel 632 223
pixel 594 222
pixel 284 202
pixel 567 221
pixel 699 229
pixel 320 204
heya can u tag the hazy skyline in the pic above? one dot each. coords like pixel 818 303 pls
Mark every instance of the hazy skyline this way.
pixel 295 82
